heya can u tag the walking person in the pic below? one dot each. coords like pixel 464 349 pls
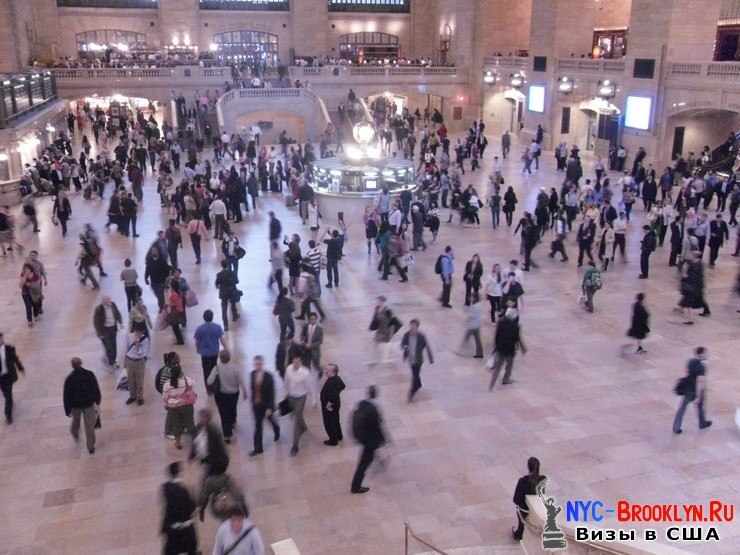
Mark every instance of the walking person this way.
pixel 176 311
pixel 585 235
pixel 692 387
pixel 225 382
pixel 493 290
pixel 179 397
pixel 262 394
pixel 61 211
pixel 178 525
pixel 640 325
pixel 330 398
pixel 10 365
pixel 209 338
pixel 130 277
pixel 718 234
pixel 527 485
pixel 137 352
pixel 590 284
pixel 507 341
pixel 312 336
pixel 238 535
pixel 298 387
pixel 82 401
pixel 367 428
pixel 106 320
pixel 472 278
pixel 648 244
pixel 31 293
pixel 156 273
pixel 284 309
pixel 445 267
pixel 228 293
pixel 333 256
pixel 197 231
pixel 472 326
pixel 385 325
pixel 414 344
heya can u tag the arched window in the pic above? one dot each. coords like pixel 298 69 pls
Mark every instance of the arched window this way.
pixel 393 6
pixel 151 4
pixel 249 47
pixel 99 39
pixel 369 46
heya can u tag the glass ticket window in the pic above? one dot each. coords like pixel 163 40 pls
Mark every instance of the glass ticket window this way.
pixel 362 180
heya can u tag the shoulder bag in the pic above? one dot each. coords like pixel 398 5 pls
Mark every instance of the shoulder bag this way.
pixel 234 545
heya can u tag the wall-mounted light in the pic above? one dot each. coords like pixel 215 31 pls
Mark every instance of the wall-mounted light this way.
pixel 606 89
pixel 3 157
pixel 565 85
pixel 490 77
pixel 518 80
pixel 213 47
pixel 50 128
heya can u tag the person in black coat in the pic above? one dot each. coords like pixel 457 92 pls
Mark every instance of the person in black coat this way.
pixel 640 326
pixel 177 519
pixel 472 277
pixel 330 404
pixel 262 394
pixel 367 427
pixel 718 234
pixel 648 244
pixel 413 345
pixel 208 446
pixel 81 399
pixel 676 242
pixel 649 193
pixel 527 485
pixel 10 365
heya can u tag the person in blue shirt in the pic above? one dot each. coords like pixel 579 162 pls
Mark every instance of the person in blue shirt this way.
pixel 209 337
pixel 448 268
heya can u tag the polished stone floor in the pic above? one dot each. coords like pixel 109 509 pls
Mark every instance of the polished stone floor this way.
pixel 599 421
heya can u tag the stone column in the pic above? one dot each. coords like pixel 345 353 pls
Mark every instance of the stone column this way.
pixel 310 28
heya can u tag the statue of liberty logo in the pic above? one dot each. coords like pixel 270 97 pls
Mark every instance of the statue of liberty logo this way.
pixel 553 538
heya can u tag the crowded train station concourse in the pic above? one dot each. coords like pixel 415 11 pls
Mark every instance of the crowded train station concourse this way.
pixel 369 277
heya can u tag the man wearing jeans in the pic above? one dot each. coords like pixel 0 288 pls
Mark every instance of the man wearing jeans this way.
pixel 448 268
pixel 414 344
pixel 81 402
pixel 209 337
pixel 692 388
pixel 106 320
pixel 508 338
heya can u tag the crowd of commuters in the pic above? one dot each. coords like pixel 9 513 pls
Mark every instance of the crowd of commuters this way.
pixel 209 183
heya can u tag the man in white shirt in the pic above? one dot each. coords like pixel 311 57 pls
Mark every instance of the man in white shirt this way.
pixel 514 269
pixel 218 211
pixel 297 384
pixel 238 536
pixel 396 219
pixel 137 351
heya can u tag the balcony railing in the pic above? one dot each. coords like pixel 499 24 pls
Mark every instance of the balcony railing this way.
pixel 215 75
pixel 384 72
pixel 711 71
pixel 587 65
pixel 21 94
pixel 513 62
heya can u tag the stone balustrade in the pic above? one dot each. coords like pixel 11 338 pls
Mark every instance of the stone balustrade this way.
pixel 588 65
pixel 194 74
pixel 701 73
pixel 386 74
pixel 510 62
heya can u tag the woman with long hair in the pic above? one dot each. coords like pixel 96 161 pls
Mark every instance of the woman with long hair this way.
pixel 176 311
pixel 179 398
pixel 30 283
pixel 472 277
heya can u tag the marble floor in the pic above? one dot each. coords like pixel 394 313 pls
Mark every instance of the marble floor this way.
pixel 599 421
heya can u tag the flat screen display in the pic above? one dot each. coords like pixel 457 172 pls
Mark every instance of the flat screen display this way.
pixel 637 114
pixel 536 98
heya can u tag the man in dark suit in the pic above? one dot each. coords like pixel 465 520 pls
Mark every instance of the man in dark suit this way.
pixel 312 336
pixel 262 391
pixel 647 246
pixel 177 521
pixel 413 344
pixel 718 234
pixel 106 320
pixel 367 427
pixel 10 365
pixel 330 403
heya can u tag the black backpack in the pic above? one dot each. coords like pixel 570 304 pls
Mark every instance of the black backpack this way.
pixel 438 265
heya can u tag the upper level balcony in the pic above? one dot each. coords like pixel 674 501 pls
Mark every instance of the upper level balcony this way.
pixel 177 76
pixel 709 73
pixel 370 74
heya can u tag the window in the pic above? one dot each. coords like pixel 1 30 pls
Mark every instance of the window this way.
pixel 246 46
pixel 100 39
pixel 266 5
pixel 108 3
pixel 393 6
pixel 369 46
pixel 610 43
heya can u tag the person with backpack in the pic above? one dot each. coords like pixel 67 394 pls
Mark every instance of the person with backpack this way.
pixel 648 244
pixel 367 428
pixel 692 387
pixel 590 285
pixel 445 267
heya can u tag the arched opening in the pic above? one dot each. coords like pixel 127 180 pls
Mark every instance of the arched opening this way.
pixel 369 46
pixel 257 49
pixel 691 132
pixel 516 101
pixel 597 125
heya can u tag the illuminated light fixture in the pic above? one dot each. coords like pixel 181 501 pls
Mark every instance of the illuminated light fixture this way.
pixel 3 157
pixel 50 128
pixel 175 40
pixel 606 89
pixel 460 98
pixel 363 132
pixel 213 47
pixel 565 85
pixel 186 39
pixel 518 80
pixel 373 152
pixel 490 77
pixel 353 152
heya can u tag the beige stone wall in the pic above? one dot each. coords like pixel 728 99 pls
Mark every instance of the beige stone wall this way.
pixel 504 26
pixel 693 30
pixel 17 34
pixel 310 27
pixel 710 129
pixel 575 21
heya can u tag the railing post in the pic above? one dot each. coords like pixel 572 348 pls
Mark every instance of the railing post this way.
pixel 406 538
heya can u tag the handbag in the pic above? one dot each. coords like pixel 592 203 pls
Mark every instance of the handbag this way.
pixel 234 545
pixel 189 396
pixel 284 407
pixel 239 252
pixel 191 299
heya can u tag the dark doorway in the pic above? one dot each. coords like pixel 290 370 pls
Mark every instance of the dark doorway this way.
pixel 565 121
pixel 678 135
pixel 726 45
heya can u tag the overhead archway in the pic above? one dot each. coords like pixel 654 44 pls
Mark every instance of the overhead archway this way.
pixel 254 48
